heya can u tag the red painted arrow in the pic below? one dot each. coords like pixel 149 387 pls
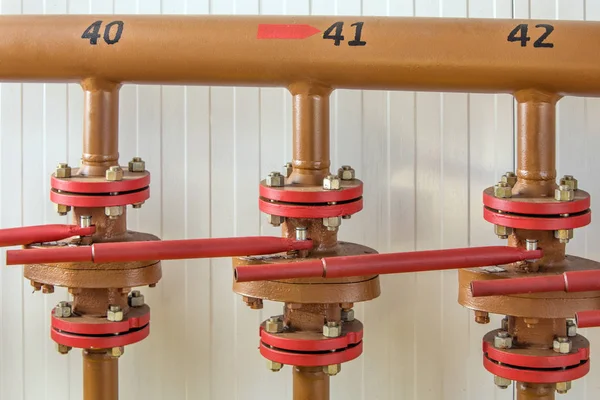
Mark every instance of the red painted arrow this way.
pixel 285 31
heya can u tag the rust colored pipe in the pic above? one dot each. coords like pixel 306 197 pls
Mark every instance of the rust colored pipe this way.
pixel 471 55
pixel 535 391
pixel 375 264
pixel 41 234
pixel 158 250
pixel 310 383
pixel 100 375
pixel 574 281
pixel 588 319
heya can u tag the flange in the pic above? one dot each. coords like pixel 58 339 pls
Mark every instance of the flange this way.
pixel 519 204
pixel 538 222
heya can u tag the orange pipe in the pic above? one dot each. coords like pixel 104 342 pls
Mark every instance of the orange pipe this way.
pixel 100 375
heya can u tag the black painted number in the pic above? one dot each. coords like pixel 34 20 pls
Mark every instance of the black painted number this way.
pixel 112 32
pixel 334 32
pixel 519 34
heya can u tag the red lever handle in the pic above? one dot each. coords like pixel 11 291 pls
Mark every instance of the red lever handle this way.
pixel 588 319
pixel 41 234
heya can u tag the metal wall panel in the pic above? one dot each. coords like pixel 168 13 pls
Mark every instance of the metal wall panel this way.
pixel 424 157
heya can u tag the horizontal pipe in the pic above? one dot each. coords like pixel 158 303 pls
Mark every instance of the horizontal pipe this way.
pixel 588 319
pixel 573 281
pixel 439 54
pixel 375 264
pixel 41 234
pixel 158 250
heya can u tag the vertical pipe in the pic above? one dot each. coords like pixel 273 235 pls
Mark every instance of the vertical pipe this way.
pixel 100 126
pixel 535 391
pixel 310 133
pixel 310 383
pixel 100 375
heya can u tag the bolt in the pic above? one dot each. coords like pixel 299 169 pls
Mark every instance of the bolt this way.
pixel 503 340
pixel 61 209
pixel 482 317
pixel 502 231
pixel 563 387
pixel 332 223
pixel 62 171
pixel 275 179
pixel 346 173
pixel 137 205
pixel 333 369
pixel 569 180
pixel 137 165
pixel 36 285
pixel 275 220
pixel 504 324
pixel 501 382
pixel 113 212
pixel 502 190
pixel 274 324
pixel 85 221
pixel 114 313
pixel 135 299
pixel 347 315
pixel 117 351
pixel 62 349
pixel 562 345
pixel 564 235
pixel 564 193
pixel 531 244
pixel 63 310
pixel 287 169
pixel 571 328
pixel 331 182
pixel 510 178
pixel 253 302
pixel 301 233
pixel 332 329
pixel 47 289
pixel 114 173
pixel 274 366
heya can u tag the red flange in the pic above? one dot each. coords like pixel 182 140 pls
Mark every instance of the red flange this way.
pixel 79 200
pixel 311 359
pixel 349 190
pixel 94 184
pixel 99 342
pixel 310 211
pixel 537 222
pixel 534 375
pixel 537 206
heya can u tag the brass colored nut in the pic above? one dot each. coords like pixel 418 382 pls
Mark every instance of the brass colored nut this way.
pixel 253 302
pixel 47 289
pixel 274 366
pixel 135 299
pixel 348 315
pixel 113 212
pixel 332 329
pixel 287 169
pixel 502 231
pixel 62 349
pixel 275 179
pixel 137 165
pixel 114 313
pixel 503 340
pixel 114 173
pixel 63 310
pixel 331 182
pixel 346 173
pixel 570 181
pixel 501 382
pixel 482 317
pixel 61 209
pixel 571 328
pixel 275 220
pixel 564 193
pixel 274 324
pixel 509 178
pixel 117 351
pixel 62 171
pixel 562 345
pixel 563 387
pixel 333 369
pixel 564 235
pixel 502 190
pixel 332 223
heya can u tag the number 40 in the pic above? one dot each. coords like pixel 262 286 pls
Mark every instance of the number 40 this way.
pixel 92 32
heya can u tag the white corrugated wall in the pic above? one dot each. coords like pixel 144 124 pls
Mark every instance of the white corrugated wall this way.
pixel 424 158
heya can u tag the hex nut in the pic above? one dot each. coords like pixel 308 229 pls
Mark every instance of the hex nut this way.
pixel 62 171
pixel 275 179
pixel 274 366
pixel 502 231
pixel 563 387
pixel 62 349
pixel 333 369
pixel 135 299
pixel 562 345
pixel 502 190
pixel 114 173
pixel 346 173
pixel 137 165
pixel 138 205
pixel 564 235
pixel 564 193
pixel 570 181
pixel 503 340
pixel 117 351
pixel 114 313
pixel 332 223
pixel 348 315
pixel 501 382
pixel 287 169
pixel 61 209
pixel 510 178
pixel 571 328
pixel 275 220
pixel 332 329
pixel 274 324
pixel 113 212
pixel 47 289
pixel 331 182
pixel 482 317
pixel 63 310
